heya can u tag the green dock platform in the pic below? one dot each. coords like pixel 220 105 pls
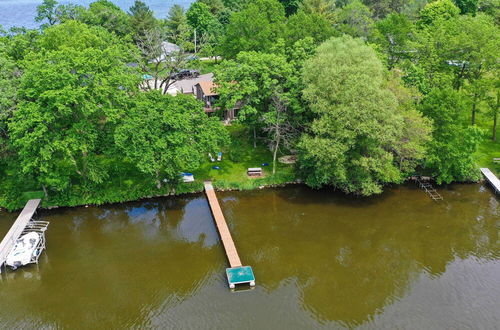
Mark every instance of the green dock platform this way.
pixel 240 275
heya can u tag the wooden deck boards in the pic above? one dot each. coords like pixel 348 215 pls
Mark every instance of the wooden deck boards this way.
pixel 17 228
pixel 492 179
pixel 225 234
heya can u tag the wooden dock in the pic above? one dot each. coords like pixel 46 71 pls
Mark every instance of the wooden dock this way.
pixel 492 179
pixel 237 274
pixel 17 228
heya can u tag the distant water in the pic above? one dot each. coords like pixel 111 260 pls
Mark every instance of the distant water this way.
pixel 23 12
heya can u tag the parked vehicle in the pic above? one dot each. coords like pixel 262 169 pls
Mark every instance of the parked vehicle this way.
pixel 185 73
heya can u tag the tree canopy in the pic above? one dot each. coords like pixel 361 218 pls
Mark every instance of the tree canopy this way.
pixel 351 141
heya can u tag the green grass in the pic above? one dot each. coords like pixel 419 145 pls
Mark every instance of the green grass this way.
pixel 488 149
pixel 237 158
pixel 126 183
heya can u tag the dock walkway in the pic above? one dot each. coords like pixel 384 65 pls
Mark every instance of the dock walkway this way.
pixel 492 179
pixel 225 234
pixel 237 274
pixel 17 228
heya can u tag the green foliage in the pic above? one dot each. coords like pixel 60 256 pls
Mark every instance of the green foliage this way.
pixel 47 12
pixel 437 11
pixel 200 18
pixel 179 31
pixel 165 135
pixel 291 6
pixel 467 6
pixel 392 35
pixel 9 80
pixel 459 49
pixel 355 19
pixel 255 28
pixel 450 155
pixel 106 14
pixel 71 96
pixel 302 25
pixel 324 8
pixel 358 120
pixel 141 19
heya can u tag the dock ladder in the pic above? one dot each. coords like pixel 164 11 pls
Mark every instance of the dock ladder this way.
pixel 429 189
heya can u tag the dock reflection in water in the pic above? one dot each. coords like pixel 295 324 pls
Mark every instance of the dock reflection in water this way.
pixel 323 260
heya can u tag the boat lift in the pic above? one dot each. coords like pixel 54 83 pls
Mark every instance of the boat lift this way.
pixel 23 225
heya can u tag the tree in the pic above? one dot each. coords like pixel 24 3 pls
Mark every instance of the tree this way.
pixel 251 80
pixel 392 35
pixel 291 6
pixel 158 62
pixel 178 28
pixel 255 28
pixel 493 102
pixel 47 11
pixel 324 8
pixel 165 135
pixel 71 96
pixel 141 18
pixel 9 80
pixel 200 18
pixel 450 153
pixel 106 14
pixel 382 8
pixel 302 25
pixel 216 7
pixel 355 19
pixel 467 6
pixel 437 11
pixel 460 52
pixel 357 138
pixel 279 125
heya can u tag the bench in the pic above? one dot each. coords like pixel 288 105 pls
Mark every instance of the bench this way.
pixel 254 171
pixel 496 160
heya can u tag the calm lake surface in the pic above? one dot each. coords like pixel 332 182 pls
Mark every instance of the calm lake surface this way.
pixel 23 12
pixel 321 260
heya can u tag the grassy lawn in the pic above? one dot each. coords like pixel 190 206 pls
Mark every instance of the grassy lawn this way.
pixel 237 159
pixel 488 149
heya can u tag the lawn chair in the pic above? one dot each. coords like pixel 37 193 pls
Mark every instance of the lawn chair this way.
pixel 219 156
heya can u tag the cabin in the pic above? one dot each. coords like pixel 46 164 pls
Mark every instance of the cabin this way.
pixel 206 91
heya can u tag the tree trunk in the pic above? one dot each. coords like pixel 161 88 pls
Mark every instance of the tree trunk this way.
pixel 494 136
pixel 45 191
pixel 474 113
pixel 254 137
pixel 275 153
pixel 158 181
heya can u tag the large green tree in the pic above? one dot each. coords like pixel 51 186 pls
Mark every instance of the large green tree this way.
pixel 72 93
pixel 359 135
pixel 166 135
pixel 451 151
pixel 255 28
pixel 106 14
pixel 392 35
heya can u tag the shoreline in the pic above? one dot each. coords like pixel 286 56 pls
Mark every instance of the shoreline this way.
pixel 198 190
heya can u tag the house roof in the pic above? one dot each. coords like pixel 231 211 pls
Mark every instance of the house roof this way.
pixel 186 85
pixel 208 88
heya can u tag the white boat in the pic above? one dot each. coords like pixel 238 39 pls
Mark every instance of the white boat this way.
pixel 25 251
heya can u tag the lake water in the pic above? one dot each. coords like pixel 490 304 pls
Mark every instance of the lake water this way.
pixel 321 259
pixel 23 12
